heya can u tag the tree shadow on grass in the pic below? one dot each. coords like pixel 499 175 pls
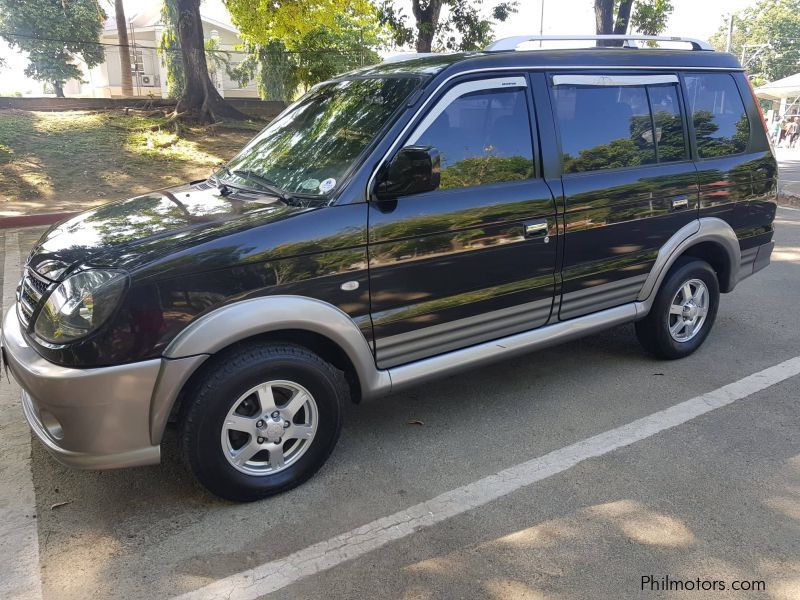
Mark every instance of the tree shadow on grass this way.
pixel 68 161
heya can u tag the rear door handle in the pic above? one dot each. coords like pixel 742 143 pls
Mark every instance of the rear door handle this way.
pixel 536 229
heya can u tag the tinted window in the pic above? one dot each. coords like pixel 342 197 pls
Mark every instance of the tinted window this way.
pixel 720 121
pixel 604 127
pixel 321 138
pixel 665 106
pixel 483 137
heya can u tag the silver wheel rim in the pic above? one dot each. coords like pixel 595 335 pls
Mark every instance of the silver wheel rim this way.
pixel 688 310
pixel 269 428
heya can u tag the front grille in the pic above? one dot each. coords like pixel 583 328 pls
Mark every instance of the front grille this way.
pixel 29 294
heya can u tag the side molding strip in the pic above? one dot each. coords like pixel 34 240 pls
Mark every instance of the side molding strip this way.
pixel 521 343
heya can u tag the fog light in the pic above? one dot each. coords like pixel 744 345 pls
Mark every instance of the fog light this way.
pixel 51 424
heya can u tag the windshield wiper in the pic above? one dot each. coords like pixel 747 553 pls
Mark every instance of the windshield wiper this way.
pixel 264 184
pixel 268 185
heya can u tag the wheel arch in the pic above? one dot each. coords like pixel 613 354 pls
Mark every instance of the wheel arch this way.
pixel 710 239
pixel 314 324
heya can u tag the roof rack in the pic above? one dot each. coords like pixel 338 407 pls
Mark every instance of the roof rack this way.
pixel 404 56
pixel 511 43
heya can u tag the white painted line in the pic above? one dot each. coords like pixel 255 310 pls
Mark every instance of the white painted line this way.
pixel 280 573
pixel 788 208
pixel 20 577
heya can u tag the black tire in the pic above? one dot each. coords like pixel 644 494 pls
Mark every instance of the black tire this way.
pixel 225 380
pixel 653 331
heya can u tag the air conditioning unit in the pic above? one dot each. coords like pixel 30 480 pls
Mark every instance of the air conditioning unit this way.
pixel 147 80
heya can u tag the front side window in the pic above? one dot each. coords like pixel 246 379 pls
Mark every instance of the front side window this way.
pixel 483 137
pixel 310 149
pixel 604 127
pixel 721 126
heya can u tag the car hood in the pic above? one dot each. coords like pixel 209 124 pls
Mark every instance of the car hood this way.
pixel 128 232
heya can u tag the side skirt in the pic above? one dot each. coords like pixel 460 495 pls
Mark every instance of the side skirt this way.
pixel 521 343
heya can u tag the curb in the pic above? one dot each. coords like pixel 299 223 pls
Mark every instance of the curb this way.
pixel 34 220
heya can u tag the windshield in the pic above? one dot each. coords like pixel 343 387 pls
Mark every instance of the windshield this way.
pixel 309 149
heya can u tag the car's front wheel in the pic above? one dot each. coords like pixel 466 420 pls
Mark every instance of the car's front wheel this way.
pixel 683 311
pixel 262 419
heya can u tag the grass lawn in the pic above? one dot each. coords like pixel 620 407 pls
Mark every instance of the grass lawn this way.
pixel 67 161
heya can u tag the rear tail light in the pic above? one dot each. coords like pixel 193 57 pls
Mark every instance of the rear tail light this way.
pixel 760 114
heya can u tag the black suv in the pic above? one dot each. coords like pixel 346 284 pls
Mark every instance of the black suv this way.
pixel 399 223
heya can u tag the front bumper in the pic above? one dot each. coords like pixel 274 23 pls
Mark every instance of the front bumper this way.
pixel 87 418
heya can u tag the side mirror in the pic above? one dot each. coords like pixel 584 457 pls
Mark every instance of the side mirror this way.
pixel 413 170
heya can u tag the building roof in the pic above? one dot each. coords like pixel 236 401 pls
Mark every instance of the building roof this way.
pixel 788 87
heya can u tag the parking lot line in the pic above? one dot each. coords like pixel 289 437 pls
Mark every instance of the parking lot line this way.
pixel 275 575
pixel 19 561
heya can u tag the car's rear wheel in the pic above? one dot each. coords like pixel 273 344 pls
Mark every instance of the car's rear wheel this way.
pixel 683 311
pixel 262 419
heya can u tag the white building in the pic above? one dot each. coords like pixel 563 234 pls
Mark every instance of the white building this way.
pixel 149 74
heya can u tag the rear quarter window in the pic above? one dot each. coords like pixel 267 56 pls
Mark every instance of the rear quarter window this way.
pixel 721 126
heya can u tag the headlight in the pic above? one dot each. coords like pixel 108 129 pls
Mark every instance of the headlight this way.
pixel 80 305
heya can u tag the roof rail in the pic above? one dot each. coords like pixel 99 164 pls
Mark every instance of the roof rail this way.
pixel 511 43
pixel 404 56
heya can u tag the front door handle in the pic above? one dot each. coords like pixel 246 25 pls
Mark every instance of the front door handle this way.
pixel 535 229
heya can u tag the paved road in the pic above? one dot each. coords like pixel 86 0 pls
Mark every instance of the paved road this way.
pixel 789 170
pixel 715 497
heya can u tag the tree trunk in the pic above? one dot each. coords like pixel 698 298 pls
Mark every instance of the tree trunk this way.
pixel 58 87
pixel 200 100
pixel 124 49
pixel 623 17
pixel 604 18
pixel 427 21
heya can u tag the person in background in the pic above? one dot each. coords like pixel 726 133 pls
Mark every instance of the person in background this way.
pixel 776 129
pixel 793 131
pixel 782 134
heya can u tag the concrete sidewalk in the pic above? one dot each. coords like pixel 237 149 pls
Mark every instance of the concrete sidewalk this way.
pixel 788 171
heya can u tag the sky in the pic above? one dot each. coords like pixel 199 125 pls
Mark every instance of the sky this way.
pixel 691 18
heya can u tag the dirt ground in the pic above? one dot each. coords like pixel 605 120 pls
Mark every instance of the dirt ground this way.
pixel 68 161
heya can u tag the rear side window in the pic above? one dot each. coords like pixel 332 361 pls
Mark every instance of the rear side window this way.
pixel 483 137
pixel 720 122
pixel 605 127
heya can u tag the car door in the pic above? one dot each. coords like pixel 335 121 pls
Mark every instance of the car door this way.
pixel 628 182
pixel 473 260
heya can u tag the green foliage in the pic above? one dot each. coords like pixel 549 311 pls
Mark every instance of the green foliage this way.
pixel 463 28
pixel 169 49
pixel 272 68
pixel 290 21
pixel 650 16
pixel 709 145
pixel 773 23
pixel 294 45
pixel 319 55
pixel 481 170
pixel 36 28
